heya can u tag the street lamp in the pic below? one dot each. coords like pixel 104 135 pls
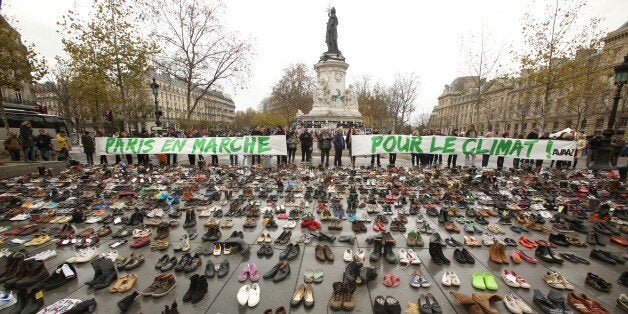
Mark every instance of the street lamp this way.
pixel 155 87
pixel 603 156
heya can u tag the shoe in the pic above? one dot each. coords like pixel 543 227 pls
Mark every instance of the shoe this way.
pixel 606 257
pixel 596 282
pixel 124 283
pixel 392 305
pixel 125 304
pixel 485 301
pixel 622 301
pixel 223 269
pixel 547 306
pixel 337 297
pixel 62 275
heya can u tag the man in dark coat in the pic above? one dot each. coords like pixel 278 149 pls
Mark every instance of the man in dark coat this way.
pixel 89 147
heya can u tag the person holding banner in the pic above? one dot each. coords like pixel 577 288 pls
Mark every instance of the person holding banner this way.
pixel 500 159
pixel 392 157
pixel 379 164
pixel 516 161
pixel 471 133
pixel 350 134
pixel 452 158
pixel 292 141
pixel 415 156
pixel 171 157
pixel 438 158
pixel 486 157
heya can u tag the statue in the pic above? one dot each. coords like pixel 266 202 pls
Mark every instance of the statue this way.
pixel 351 100
pixel 331 38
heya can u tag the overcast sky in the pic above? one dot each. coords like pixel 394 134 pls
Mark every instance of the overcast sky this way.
pixel 377 38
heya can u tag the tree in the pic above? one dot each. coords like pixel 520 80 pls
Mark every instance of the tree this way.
pixel 522 106
pixel 107 44
pixel 293 92
pixel 401 97
pixel 421 120
pixel 19 63
pixel 58 84
pixel 372 103
pixel 92 95
pixel 587 85
pixel 481 60
pixel 197 49
pixel 550 40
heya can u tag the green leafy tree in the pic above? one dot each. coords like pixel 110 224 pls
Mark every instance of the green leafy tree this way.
pixel 107 44
pixel 293 92
pixel 19 63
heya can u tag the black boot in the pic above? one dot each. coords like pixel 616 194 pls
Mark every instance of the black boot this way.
pixel 352 272
pixel 377 251
pixel 193 283
pixel 347 239
pixel 21 297
pixel 86 306
pixel 367 274
pixel 192 219
pixel 127 301
pixel 186 223
pixel 109 274
pixel 97 271
pixel 34 302
pixel 433 249
pixel 200 291
pixel 389 254
pixel 324 237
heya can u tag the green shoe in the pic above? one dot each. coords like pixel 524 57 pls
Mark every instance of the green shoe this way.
pixel 478 281
pixel 468 228
pixel 489 281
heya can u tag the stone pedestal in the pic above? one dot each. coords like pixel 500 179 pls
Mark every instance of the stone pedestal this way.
pixel 334 103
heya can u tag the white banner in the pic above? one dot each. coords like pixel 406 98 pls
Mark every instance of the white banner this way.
pixel 247 145
pixel 509 147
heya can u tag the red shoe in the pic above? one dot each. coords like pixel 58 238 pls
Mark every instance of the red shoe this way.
pixel 619 240
pixel 140 242
pixel 527 243
pixel 306 223
pixel 545 243
pixel 527 257
pixel 314 225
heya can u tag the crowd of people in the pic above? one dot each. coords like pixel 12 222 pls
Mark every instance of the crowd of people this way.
pixel 324 140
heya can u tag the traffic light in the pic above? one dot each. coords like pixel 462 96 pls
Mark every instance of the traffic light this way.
pixel 109 115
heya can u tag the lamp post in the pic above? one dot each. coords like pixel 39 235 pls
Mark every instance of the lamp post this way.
pixel 603 156
pixel 155 87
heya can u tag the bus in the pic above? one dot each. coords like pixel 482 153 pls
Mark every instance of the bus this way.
pixel 47 122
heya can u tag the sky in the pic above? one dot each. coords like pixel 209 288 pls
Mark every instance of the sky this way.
pixel 378 39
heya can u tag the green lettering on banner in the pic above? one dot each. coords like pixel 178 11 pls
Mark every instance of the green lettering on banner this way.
pixel 433 147
pixel 464 146
pixel 224 143
pixel 503 147
pixel 110 141
pixel 530 144
pixel 415 144
pixel 167 147
pixel 493 146
pixel 130 145
pixel 376 141
pixel 403 148
pixel 210 146
pixel 516 147
pixel 263 144
pixel 233 147
pixel 548 149
pixel 249 145
pixel 198 145
pixel 148 145
pixel 119 145
pixel 179 144
pixel 479 149
pixel 449 146
pixel 389 144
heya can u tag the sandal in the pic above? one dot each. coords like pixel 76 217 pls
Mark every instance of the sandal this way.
pixel 308 276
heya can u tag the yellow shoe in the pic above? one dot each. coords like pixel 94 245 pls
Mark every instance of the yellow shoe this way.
pixel 39 240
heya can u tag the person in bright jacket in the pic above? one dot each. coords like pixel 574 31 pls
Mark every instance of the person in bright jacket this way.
pixel 64 146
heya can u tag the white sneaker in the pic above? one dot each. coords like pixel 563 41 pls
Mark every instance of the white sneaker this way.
pixel 348 256
pixel 413 257
pixel 42 256
pixel 21 217
pixel 83 256
pixel 7 300
pixel 455 281
pixel 254 294
pixel 291 224
pixel 446 280
pixel 359 256
pixel 403 257
pixel 112 255
pixel 243 294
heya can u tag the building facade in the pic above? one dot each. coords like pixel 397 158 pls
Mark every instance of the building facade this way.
pixel 22 97
pixel 509 105
pixel 214 111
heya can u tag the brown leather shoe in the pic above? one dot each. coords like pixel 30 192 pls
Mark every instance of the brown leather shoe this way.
pixel 329 255
pixel 484 300
pixel 348 298
pixel 493 254
pixel 335 303
pixel 280 310
pixel 471 306
pixel 319 253
pixel 501 251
